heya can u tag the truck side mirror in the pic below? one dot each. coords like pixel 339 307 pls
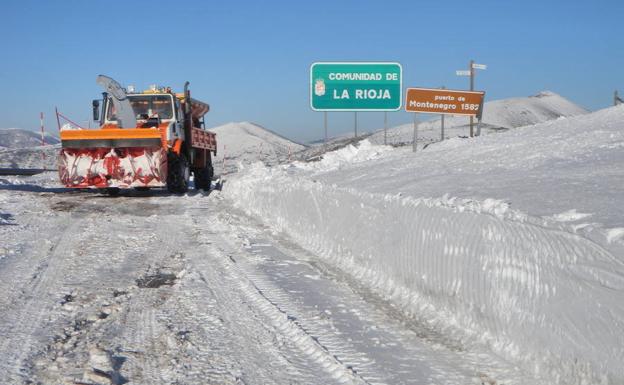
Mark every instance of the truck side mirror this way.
pixel 96 110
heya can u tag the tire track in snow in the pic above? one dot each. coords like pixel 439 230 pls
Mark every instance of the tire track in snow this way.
pixel 140 327
pixel 284 323
pixel 287 325
pixel 23 320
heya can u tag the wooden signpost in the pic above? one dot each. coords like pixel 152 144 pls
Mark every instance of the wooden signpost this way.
pixel 442 101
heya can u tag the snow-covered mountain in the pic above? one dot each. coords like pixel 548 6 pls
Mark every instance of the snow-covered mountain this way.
pixel 497 115
pixel 246 142
pixel 20 138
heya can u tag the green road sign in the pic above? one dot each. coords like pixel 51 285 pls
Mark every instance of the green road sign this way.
pixel 355 86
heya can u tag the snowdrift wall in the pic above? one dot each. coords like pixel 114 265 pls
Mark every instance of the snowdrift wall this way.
pixel 548 300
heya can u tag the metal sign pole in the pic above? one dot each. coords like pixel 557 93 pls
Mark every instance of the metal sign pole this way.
pixel 325 124
pixel 442 123
pixel 414 144
pixel 355 124
pixel 472 74
pixel 442 128
pixel 42 141
pixel 385 127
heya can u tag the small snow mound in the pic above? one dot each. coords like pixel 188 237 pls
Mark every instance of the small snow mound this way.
pixel 350 154
pixel 615 234
pixel 544 94
pixel 69 127
pixel 569 216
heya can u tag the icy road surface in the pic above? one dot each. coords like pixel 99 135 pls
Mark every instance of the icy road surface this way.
pixel 158 289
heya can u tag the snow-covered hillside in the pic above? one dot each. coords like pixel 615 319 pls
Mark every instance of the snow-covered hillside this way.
pixel 30 157
pixel 513 243
pixel 497 115
pixel 20 138
pixel 22 149
pixel 245 142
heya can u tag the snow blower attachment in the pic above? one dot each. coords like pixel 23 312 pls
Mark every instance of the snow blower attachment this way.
pixel 151 139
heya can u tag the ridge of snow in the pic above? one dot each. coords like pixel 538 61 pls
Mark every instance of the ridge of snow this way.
pixel 435 232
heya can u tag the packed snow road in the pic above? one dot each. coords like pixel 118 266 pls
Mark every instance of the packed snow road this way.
pixel 158 289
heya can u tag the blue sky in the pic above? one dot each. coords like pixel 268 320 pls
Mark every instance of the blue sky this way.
pixel 250 60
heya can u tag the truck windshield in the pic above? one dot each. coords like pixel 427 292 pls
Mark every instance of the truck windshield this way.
pixel 146 106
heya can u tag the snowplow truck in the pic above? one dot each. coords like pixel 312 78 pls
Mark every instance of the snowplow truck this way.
pixel 149 139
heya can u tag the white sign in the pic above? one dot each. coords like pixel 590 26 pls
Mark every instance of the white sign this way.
pixel 479 66
pixel 462 73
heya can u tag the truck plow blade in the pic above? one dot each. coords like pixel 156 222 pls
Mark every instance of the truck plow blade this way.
pixel 113 167
pixel 113 157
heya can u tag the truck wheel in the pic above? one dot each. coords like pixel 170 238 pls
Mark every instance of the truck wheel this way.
pixel 203 177
pixel 178 174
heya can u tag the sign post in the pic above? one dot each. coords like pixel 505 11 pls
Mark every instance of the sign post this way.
pixel 356 86
pixel 325 125
pixel 443 101
pixel 415 138
pixel 471 72
pixel 442 123
pixel 385 128
pixel 42 140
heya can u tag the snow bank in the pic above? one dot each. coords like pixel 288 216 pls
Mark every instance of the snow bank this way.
pixel 346 156
pixel 530 283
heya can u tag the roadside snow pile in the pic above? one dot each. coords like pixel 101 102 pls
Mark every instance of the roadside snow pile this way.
pixel 245 143
pixel 347 155
pixel 541 284
pixel 497 115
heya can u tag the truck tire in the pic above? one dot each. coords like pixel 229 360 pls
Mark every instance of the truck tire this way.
pixel 203 178
pixel 178 174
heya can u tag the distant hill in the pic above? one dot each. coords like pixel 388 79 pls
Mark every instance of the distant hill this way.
pixel 498 115
pixel 246 142
pixel 21 148
pixel 20 138
pixel 30 157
